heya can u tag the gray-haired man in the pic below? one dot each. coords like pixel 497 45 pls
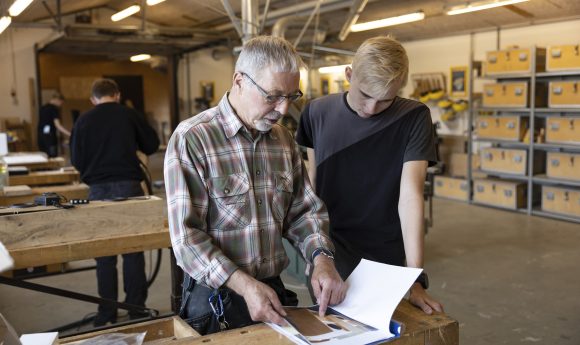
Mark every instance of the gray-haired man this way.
pixel 236 185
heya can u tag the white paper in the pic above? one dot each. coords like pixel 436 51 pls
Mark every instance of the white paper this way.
pixel 25 158
pixel 374 292
pixel 6 261
pixel 39 338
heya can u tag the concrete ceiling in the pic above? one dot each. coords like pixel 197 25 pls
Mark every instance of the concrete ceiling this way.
pixel 186 24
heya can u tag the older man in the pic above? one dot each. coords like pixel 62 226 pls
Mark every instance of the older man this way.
pixel 236 185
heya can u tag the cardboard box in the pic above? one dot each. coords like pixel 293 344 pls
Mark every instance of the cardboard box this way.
pixel 452 188
pixel 562 130
pixel 563 165
pixel 458 164
pixel 563 58
pixel 511 128
pixel 510 161
pixel 561 200
pixel 500 193
pixel 564 94
pixel 514 61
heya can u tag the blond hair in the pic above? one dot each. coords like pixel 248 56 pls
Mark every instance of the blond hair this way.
pixel 379 63
pixel 263 52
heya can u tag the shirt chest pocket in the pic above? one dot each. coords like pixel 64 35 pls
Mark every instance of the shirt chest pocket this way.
pixel 282 196
pixel 229 202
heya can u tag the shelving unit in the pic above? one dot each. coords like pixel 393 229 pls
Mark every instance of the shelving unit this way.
pixel 536 116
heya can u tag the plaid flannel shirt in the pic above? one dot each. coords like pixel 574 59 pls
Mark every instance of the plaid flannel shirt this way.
pixel 232 198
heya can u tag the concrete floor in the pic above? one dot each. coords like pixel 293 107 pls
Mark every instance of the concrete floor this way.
pixel 506 277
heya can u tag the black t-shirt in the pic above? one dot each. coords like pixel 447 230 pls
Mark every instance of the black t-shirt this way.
pixel 105 140
pixel 358 173
pixel 47 114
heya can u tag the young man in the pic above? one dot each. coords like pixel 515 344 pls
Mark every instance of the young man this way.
pixel 371 151
pixel 236 185
pixel 49 124
pixel 104 145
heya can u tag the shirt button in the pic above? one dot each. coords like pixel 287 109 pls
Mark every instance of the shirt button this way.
pixel 261 231
pixel 258 172
pixel 259 201
pixel 226 191
pixel 264 260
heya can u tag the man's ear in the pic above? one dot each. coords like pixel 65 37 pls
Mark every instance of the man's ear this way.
pixel 94 100
pixel 348 73
pixel 237 79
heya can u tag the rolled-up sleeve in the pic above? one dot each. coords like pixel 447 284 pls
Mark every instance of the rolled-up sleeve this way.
pixel 187 205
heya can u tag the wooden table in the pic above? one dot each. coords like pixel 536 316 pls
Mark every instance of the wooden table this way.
pixel 51 163
pixel 69 191
pixel 45 178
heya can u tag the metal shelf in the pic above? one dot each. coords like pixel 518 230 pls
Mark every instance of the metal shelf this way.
pixel 558 74
pixel 506 76
pixel 557 110
pixel 558 147
pixel 506 176
pixel 539 212
pixel 515 144
pixel 543 179
pixel 499 109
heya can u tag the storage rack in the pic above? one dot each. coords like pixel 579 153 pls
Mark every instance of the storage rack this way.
pixel 534 114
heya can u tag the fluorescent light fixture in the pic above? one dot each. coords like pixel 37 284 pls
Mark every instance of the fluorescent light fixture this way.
pixel 131 10
pixel 332 69
pixel 4 22
pixel 154 2
pixel 140 57
pixel 481 5
pixel 406 18
pixel 18 6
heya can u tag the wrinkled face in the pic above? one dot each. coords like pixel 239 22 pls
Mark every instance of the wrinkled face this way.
pixel 363 102
pixel 265 99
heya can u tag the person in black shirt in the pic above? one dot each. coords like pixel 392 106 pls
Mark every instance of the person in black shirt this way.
pixel 104 145
pixel 49 124
pixel 370 153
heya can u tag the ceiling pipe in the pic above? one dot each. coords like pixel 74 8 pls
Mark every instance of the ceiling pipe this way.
pixel 232 15
pixel 250 23
pixel 299 9
pixel 355 10
pixel 314 11
pixel 264 16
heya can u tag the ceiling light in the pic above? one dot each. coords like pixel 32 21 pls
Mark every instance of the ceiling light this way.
pixel 140 57
pixel 4 22
pixel 407 18
pixel 332 69
pixel 481 5
pixel 125 13
pixel 154 2
pixel 18 6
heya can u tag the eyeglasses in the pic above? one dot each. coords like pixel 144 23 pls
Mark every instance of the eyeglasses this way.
pixel 274 99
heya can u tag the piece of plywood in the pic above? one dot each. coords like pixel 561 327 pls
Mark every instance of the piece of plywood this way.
pixel 99 219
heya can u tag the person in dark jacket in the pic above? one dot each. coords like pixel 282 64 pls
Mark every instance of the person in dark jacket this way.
pixel 104 145
pixel 49 124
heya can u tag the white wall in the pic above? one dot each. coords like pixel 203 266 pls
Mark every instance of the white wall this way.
pixel 204 67
pixel 19 42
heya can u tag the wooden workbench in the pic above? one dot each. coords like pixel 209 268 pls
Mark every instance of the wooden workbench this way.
pixel 420 329
pixel 45 178
pixel 69 191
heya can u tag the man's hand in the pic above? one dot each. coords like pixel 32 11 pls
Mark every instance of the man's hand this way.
pixel 421 299
pixel 263 303
pixel 328 287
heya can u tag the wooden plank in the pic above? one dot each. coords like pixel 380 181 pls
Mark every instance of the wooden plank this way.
pixel 70 191
pixel 52 163
pixel 45 177
pixel 88 249
pixel 420 329
pixel 166 328
pixel 99 219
